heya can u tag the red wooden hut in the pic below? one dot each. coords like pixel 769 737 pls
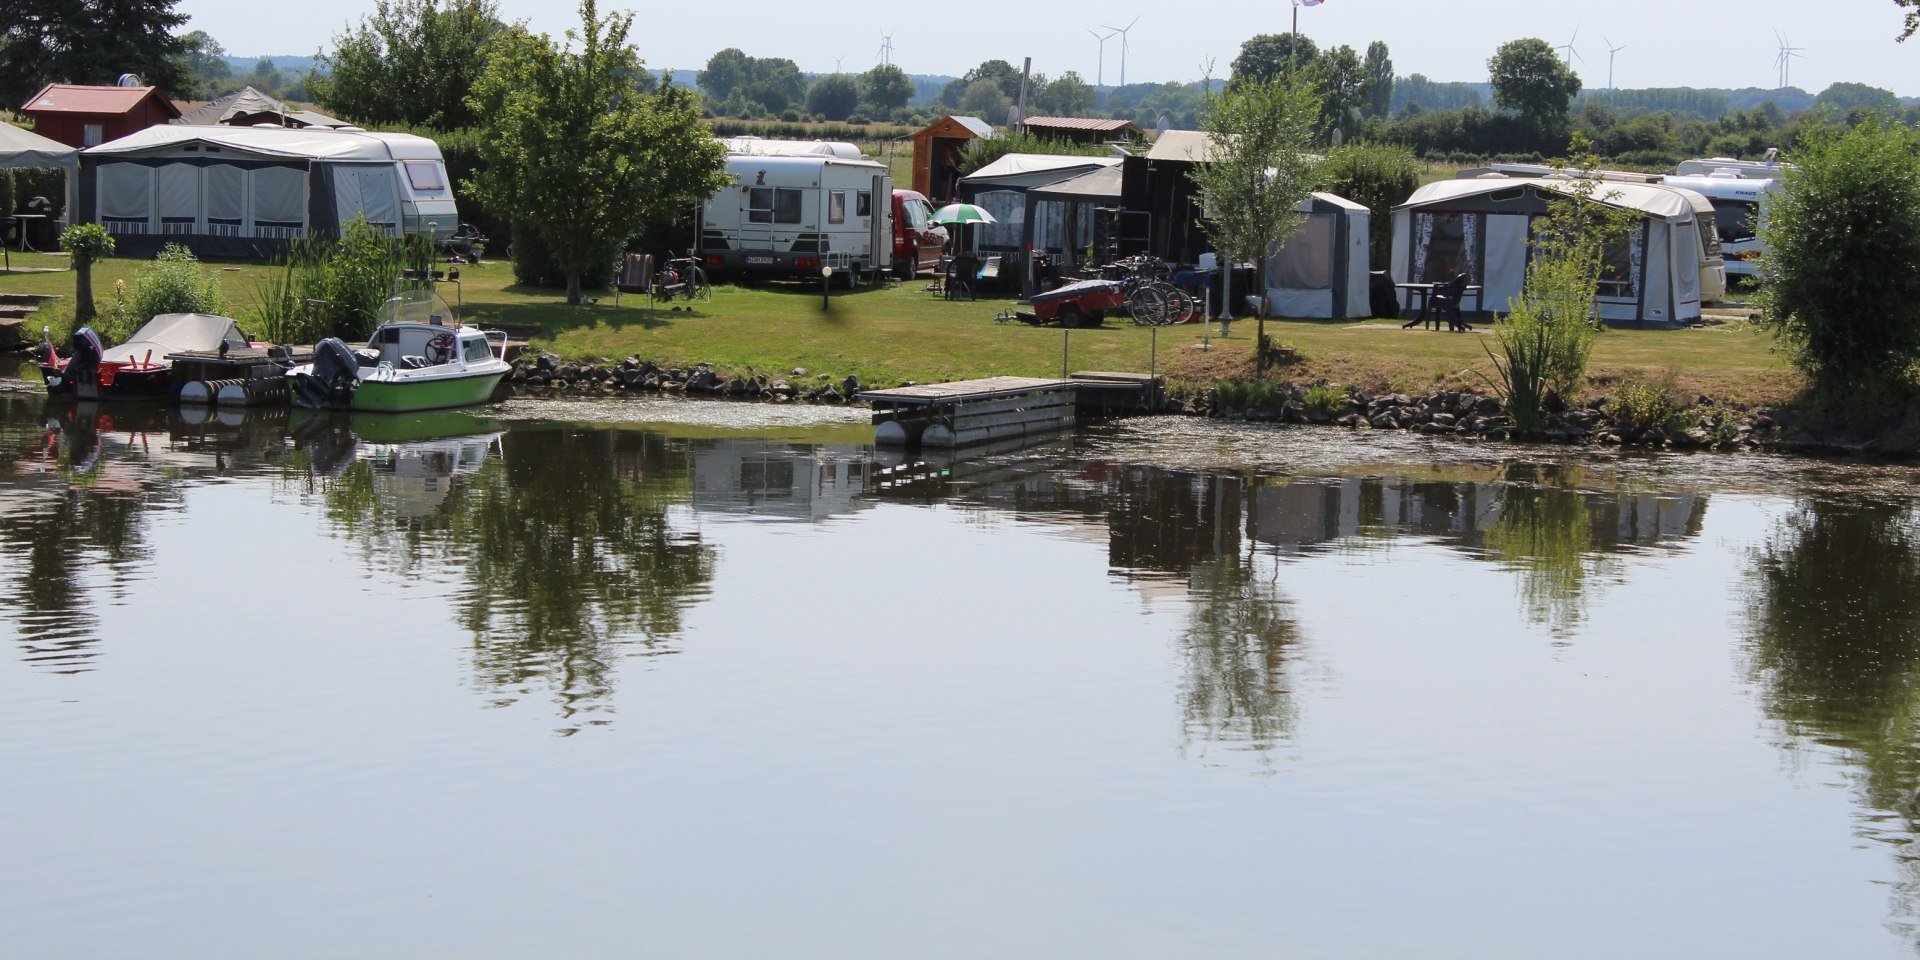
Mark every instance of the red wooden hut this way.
pixel 83 116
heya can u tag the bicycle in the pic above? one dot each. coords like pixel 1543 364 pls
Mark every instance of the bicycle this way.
pixel 1152 300
pixel 681 277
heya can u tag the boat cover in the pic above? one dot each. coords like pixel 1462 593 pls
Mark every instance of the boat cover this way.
pixel 177 333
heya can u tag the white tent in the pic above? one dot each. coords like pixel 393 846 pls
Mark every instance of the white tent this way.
pixel 1484 227
pixel 26 150
pixel 249 191
pixel 1322 270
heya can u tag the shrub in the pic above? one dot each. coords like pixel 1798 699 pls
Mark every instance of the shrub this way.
pixel 1325 399
pixel 173 283
pixel 1546 339
pixel 1641 404
pixel 352 276
pixel 1377 176
pixel 1840 289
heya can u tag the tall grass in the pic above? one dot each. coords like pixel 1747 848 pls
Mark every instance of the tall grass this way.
pixel 334 288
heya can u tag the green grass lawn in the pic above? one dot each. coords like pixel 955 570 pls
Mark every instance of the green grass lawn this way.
pixel 892 334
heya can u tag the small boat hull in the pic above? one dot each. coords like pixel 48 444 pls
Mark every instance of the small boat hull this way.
pixel 435 393
pixel 112 382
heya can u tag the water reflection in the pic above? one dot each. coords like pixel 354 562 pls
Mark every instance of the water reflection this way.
pixel 565 540
pixel 1834 618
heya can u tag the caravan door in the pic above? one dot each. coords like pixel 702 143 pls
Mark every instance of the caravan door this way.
pixel 756 198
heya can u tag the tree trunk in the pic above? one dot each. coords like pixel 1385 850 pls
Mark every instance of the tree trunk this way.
pixel 573 285
pixel 1260 313
pixel 83 312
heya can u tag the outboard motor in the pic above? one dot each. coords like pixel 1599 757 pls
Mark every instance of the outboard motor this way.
pixel 83 363
pixel 335 374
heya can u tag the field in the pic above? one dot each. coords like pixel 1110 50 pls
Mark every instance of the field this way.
pixel 892 334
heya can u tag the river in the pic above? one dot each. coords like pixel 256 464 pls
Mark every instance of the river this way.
pixel 687 679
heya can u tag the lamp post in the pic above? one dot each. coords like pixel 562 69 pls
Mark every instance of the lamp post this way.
pixel 826 286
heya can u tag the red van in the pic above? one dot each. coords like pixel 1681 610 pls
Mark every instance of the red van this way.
pixel 916 242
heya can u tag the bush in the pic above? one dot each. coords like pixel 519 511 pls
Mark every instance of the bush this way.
pixel 1641 404
pixel 173 283
pixel 1545 339
pixel 1325 399
pixel 1377 176
pixel 1839 288
pixel 352 276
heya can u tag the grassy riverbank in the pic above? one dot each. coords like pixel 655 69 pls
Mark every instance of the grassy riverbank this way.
pixel 901 332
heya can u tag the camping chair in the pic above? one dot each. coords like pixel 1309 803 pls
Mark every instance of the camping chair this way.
pixel 636 276
pixel 1447 297
pixel 966 270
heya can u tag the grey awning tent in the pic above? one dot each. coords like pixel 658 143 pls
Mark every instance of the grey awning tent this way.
pixel 26 150
pixel 1060 215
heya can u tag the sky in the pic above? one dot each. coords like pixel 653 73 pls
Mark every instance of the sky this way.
pixel 1722 45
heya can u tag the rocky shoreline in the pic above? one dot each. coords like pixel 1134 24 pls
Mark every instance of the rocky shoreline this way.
pixel 1703 424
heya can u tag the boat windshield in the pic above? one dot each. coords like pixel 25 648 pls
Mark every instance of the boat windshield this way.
pixel 418 306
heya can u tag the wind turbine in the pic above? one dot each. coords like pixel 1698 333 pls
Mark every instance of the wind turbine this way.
pixel 837 61
pixel 886 49
pixel 1785 60
pixel 1611 50
pixel 1122 31
pixel 1100 72
pixel 1571 52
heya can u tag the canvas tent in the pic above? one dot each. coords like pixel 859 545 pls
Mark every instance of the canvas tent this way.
pixel 250 191
pixel 1061 216
pixel 1322 270
pixel 248 107
pixel 1000 188
pixel 26 150
pixel 1485 227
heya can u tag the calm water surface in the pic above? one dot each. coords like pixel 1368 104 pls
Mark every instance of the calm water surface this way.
pixel 707 680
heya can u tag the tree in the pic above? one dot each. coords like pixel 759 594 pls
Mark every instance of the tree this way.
pixel 984 99
pixel 1258 171
pixel 85 243
pixel 728 71
pixel 1839 287
pixel 885 88
pixel 1848 96
pixel 205 61
pixel 86 41
pixel 1913 18
pixel 1342 85
pixel 1002 73
pixel 834 97
pixel 1529 79
pixel 410 62
pixel 1069 96
pixel 1378 87
pixel 580 153
pixel 1271 55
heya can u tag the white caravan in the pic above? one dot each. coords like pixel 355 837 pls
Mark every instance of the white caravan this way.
pixel 1739 210
pixel 795 207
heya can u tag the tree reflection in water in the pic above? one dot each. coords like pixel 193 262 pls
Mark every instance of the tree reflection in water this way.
pixel 1236 647
pixel 1834 618
pixel 1545 534
pixel 569 557
pixel 73 509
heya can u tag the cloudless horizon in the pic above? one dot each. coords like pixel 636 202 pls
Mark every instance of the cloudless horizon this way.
pixel 1846 41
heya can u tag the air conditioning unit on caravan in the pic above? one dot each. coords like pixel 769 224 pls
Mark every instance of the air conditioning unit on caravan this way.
pixel 795 207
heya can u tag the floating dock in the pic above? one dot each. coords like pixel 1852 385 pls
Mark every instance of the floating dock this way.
pixel 967 412
pixel 243 377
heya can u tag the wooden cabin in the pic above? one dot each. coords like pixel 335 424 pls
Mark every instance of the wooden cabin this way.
pixel 936 154
pixel 80 115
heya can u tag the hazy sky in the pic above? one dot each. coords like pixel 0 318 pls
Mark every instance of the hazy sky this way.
pixel 1667 43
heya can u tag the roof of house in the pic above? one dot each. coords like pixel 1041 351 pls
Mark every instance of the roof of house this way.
pixel 311 143
pixel 84 98
pixel 972 125
pixel 1186 146
pixel 250 106
pixel 1095 124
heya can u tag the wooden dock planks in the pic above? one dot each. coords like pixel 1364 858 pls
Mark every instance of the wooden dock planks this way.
pixel 971 411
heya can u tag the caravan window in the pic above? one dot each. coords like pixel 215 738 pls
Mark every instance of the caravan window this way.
pixel 787 203
pixel 865 207
pixel 837 206
pixel 1735 219
pixel 425 177
pixel 760 205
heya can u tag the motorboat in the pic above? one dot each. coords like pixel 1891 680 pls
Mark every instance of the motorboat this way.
pixel 419 358
pixel 141 368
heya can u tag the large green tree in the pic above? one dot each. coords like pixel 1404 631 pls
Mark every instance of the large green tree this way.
pixel 1069 96
pixel 1258 171
pixel 1378 88
pixel 89 41
pixel 774 83
pixel 1003 74
pixel 1270 55
pixel 1529 79
pixel 579 150
pixel 834 96
pixel 1343 82
pixel 409 62
pixel 886 88
pixel 205 62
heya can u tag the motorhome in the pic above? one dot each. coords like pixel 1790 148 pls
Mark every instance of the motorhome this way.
pixel 1739 210
pixel 1770 168
pixel 794 208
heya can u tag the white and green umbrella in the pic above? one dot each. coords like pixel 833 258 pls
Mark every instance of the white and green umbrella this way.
pixel 960 213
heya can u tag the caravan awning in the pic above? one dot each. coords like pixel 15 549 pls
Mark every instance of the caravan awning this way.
pixel 1027 170
pixel 1656 201
pixel 24 149
pixel 1098 186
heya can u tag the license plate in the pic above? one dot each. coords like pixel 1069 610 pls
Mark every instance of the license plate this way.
pixel 760 261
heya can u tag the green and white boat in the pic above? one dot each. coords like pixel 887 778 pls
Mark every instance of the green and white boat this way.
pixel 419 358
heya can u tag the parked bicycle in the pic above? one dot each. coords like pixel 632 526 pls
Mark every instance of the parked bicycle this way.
pixel 683 278
pixel 1152 299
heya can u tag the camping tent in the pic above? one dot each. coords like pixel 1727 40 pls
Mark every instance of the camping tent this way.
pixel 1060 216
pixel 26 150
pixel 1485 226
pixel 1000 188
pixel 250 191
pixel 1322 270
